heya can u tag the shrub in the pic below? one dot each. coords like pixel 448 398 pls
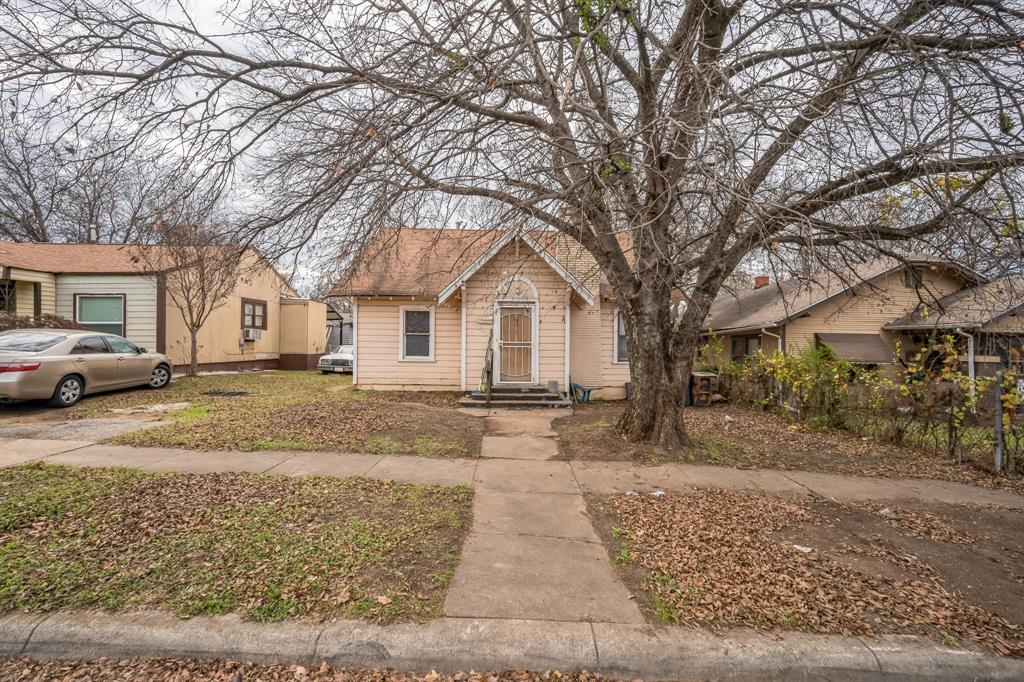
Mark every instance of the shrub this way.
pixel 44 321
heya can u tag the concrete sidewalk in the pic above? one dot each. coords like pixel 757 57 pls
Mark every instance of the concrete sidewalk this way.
pixel 532 552
pixel 460 644
pixel 505 475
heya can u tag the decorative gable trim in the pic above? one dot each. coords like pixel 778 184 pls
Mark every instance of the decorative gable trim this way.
pixel 506 239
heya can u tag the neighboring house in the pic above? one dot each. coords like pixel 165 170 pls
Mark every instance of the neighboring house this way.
pixel 110 288
pixel 427 303
pixel 989 317
pixel 863 314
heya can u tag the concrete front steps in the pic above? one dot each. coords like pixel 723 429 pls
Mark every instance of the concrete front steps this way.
pixel 516 397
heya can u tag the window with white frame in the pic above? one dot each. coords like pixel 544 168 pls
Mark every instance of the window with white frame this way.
pixel 621 349
pixel 417 333
pixel 101 312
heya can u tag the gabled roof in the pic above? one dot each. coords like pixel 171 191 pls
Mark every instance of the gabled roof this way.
pixel 971 308
pixel 429 262
pixel 73 258
pixel 493 250
pixel 779 302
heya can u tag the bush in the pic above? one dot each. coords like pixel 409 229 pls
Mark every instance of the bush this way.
pixel 44 321
pixel 933 405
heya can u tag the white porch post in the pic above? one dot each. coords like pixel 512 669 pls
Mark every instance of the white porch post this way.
pixel 462 362
pixel 355 341
pixel 568 338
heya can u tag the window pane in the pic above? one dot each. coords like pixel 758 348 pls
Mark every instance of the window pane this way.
pixel 91 344
pixel 120 345
pixel 753 343
pixel 417 321
pixel 417 346
pixel 258 321
pixel 248 308
pixel 100 309
pixel 621 345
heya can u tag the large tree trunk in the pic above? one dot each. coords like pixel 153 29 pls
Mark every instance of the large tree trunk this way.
pixel 193 356
pixel 660 365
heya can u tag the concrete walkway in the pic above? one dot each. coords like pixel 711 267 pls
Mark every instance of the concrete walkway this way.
pixel 532 552
pixel 505 475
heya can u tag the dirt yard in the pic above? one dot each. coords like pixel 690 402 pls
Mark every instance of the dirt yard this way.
pixel 721 559
pixel 748 438
pixel 266 547
pixel 279 411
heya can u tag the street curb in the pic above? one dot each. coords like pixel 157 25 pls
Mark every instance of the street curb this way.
pixel 454 644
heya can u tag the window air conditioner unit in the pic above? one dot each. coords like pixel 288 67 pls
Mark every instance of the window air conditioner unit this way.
pixel 252 334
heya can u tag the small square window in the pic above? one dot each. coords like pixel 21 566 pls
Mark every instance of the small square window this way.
pixel 254 314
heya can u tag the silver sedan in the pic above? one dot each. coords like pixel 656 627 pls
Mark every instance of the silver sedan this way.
pixel 62 365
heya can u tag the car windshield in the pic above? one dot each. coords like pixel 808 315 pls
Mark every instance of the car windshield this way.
pixel 29 342
pixel 342 350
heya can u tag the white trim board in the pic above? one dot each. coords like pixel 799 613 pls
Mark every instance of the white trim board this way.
pixel 490 253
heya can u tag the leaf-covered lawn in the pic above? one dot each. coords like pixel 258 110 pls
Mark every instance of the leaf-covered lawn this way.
pixel 748 438
pixel 268 547
pixel 718 558
pixel 296 411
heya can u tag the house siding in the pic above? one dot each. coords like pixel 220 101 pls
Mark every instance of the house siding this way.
pixel 140 301
pixel 24 280
pixel 585 325
pixel 867 307
pixel 615 374
pixel 220 338
pixel 378 345
pixel 551 292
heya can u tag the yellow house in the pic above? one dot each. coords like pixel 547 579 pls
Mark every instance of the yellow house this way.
pixel 262 324
pixel 429 304
pixel 853 313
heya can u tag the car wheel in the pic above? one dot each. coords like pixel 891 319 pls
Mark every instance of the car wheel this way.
pixel 324 371
pixel 68 392
pixel 160 377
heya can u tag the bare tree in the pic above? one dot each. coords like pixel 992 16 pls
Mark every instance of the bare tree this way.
pixel 672 139
pixel 199 269
pixel 75 190
pixel 32 185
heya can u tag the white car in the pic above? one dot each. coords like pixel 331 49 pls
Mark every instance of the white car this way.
pixel 338 360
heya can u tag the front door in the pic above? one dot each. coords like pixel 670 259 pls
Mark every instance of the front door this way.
pixel 515 344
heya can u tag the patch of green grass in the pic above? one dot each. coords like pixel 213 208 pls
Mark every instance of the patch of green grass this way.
pixel 192 412
pixel 268 547
pixel 618 533
pixel 383 445
pixel 663 586
pixel 624 557
pixel 34 492
pixel 433 447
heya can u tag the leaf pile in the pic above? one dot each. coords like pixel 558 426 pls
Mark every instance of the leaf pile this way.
pixel 748 438
pixel 269 547
pixel 182 670
pixel 714 558
pixel 920 524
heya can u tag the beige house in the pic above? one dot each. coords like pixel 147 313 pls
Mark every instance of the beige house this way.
pixel 428 304
pixel 110 288
pixel 865 315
